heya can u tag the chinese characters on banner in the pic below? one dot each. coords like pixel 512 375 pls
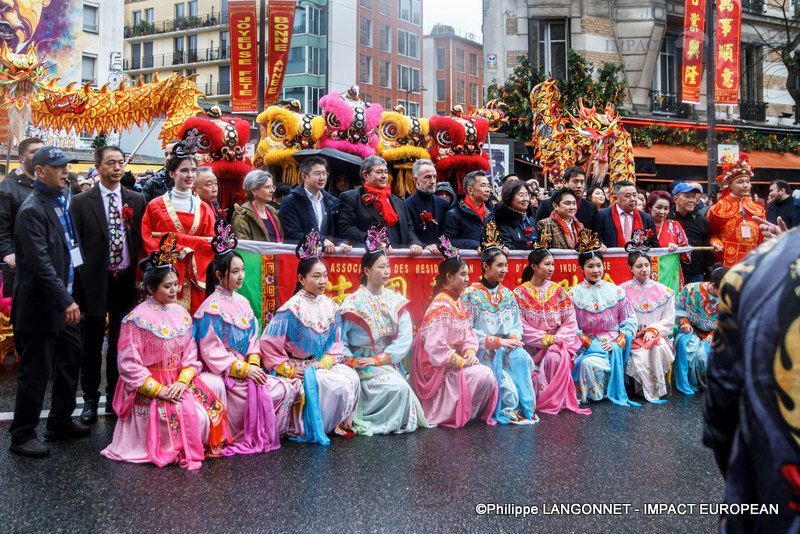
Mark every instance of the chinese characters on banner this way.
pixel 729 36
pixel 244 55
pixel 280 23
pixel 693 35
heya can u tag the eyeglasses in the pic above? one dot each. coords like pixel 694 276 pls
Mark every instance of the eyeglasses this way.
pixel 319 174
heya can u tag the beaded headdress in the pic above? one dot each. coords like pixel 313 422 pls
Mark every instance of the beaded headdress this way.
pixel 638 242
pixel 490 236
pixel 377 239
pixel 310 246
pixel 446 248
pixel 587 242
pixel 225 240
pixel 167 252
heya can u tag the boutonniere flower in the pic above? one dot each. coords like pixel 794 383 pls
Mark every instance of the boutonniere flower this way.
pixel 427 217
pixel 528 231
pixel 127 213
pixel 368 199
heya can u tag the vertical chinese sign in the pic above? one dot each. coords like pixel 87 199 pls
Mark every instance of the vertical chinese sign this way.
pixel 279 24
pixel 693 25
pixel 729 36
pixel 244 55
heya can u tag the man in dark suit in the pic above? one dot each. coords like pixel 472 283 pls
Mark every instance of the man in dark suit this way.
pixel 616 223
pixel 13 191
pixel 428 227
pixel 587 211
pixel 43 312
pixel 464 222
pixel 308 206
pixel 374 204
pixel 108 219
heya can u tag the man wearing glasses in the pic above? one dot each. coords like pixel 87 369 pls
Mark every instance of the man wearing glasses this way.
pixel 308 206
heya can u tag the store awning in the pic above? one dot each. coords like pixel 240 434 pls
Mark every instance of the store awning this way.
pixel 691 157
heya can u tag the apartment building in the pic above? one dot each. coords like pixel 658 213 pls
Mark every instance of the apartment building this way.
pixel 453 68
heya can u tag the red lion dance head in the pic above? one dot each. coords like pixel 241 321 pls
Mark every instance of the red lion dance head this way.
pixel 457 146
pixel 222 140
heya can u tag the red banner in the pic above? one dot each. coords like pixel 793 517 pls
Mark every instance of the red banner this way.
pixel 729 36
pixel 694 21
pixel 244 55
pixel 280 24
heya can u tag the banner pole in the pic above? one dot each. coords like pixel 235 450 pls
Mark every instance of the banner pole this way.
pixel 711 97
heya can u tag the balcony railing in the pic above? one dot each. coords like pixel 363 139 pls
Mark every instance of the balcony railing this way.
pixel 753 6
pixel 668 104
pixel 177 58
pixel 752 111
pixel 175 25
pixel 215 89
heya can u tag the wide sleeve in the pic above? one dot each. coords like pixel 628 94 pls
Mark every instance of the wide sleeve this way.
pixel 212 350
pixel 150 225
pixel 436 345
pixel 680 304
pixel 399 347
pixel 337 349
pixel 32 237
pixel 516 322
pixel 725 374
pixel 132 370
pixel 273 346
pixel 715 227
pixel 531 334
pixel 348 330
pixel 190 358
pixel 666 324
pixel 628 323
pixel 568 329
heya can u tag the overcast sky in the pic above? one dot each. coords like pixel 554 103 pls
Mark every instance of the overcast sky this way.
pixel 464 15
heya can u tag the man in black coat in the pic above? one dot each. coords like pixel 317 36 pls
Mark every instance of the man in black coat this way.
pixel 697 231
pixel 374 204
pixel 464 222
pixel 428 227
pixel 108 219
pixel 43 312
pixel 587 210
pixel 616 223
pixel 308 206
pixel 161 182
pixel 13 191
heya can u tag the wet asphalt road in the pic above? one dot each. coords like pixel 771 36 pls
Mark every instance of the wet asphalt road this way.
pixel 428 481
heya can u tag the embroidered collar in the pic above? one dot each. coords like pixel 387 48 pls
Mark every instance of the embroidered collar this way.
pixel 647 297
pixel 166 321
pixel 597 297
pixel 230 307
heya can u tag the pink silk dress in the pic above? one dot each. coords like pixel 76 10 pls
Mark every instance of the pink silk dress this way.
pixel 450 394
pixel 304 330
pixel 550 331
pixel 227 335
pixel 156 349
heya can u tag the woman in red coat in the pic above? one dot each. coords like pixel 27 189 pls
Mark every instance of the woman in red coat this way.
pixel 191 219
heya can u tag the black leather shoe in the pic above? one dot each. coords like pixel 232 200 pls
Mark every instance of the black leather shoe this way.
pixel 73 431
pixel 110 410
pixel 33 448
pixel 89 413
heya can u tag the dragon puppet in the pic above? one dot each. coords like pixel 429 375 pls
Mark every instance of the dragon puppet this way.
pixel 284 131
pixel 457 146
pixel 27 96
pixel 403 140
pixel 222 142
pixel 350 123
pixel 597 142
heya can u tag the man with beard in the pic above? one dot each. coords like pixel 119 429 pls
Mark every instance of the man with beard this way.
pixel 18 22
pixel 13 190
pixel 427 210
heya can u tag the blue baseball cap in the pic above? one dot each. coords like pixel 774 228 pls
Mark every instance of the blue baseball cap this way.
pixel 50 155
pixel 686 187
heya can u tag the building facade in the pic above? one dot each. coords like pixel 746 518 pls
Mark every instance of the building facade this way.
pixel 645 37
pixel 453 69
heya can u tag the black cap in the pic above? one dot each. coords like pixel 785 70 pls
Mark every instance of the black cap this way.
pixel 50 155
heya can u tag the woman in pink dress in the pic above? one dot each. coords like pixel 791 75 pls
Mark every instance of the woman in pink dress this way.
pixel 227 336
pixel 550 331
pixel 168 411
pixel 303 343
pixel 452 385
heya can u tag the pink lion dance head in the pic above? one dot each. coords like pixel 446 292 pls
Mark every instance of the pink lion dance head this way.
pixel 350 123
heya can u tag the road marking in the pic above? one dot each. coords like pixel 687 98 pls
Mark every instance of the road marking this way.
pixel 7 417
